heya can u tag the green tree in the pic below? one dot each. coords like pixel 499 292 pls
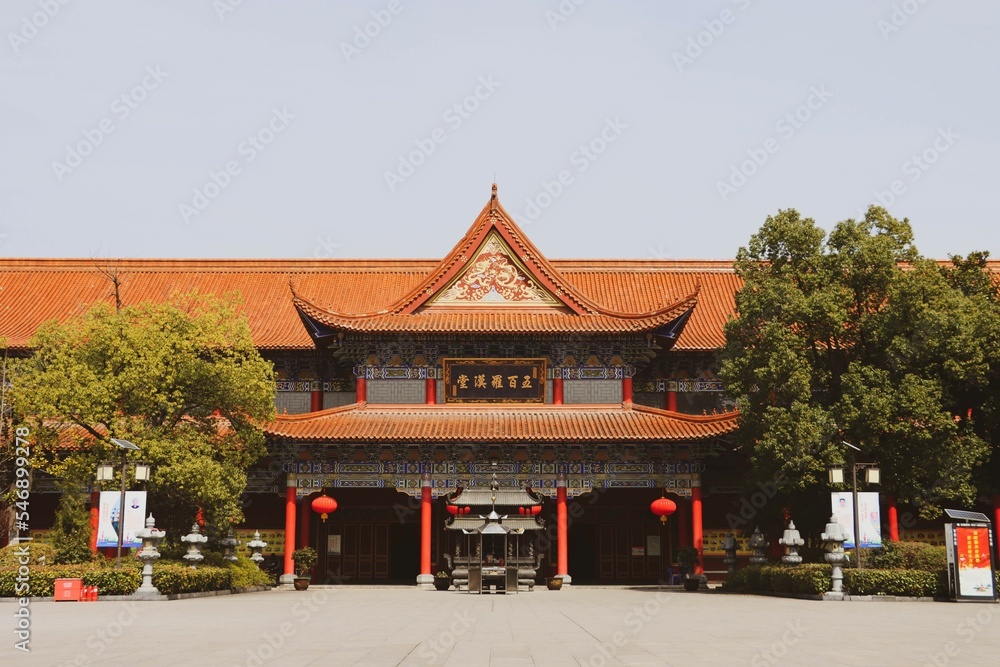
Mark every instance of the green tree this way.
pixel 180 379
pixel 853 336
pixel 71 531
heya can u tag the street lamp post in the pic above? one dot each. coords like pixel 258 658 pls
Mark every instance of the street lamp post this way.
pixel 872 476
pixel 126 447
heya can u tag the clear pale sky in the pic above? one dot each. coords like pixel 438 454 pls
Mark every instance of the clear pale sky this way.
pixel 113 113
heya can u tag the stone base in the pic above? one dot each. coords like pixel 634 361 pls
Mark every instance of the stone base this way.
pixel 567 580
pixel 425 581
pixel 287 581
pixel 150 594
pixel 829 595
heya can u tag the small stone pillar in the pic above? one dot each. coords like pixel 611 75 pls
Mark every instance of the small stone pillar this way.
pixel 833 541
pixel 791 541
pixel 758 544
pixel 229 544
pixel 729 546
pixel 256 546
pixel 150 537
pixel 194 539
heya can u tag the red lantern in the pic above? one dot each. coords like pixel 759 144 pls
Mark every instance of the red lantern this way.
pixel 663 507
pixel 536 510
pixel 466 510
pixel 452 509
pixel 324 506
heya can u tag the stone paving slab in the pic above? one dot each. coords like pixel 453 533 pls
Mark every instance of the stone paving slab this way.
pixel 578 626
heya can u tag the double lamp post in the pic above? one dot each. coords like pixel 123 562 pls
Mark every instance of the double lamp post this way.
pixel 106 473
pixel 872 476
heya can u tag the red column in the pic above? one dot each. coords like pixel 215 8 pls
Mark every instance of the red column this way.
pixel 432 391
pixel 302 537
pixel 95 518
pixel 557 396
pixel 316 404
pixel 362 396
pixel 683 531
pixel 289 572
pixel 626 390
pixel 670 402
pixel 996 521
pixel 696 534
pixel 562 535
pixel 893 520
pixel 425 578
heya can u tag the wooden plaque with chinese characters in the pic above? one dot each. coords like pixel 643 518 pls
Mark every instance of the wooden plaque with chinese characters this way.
pixel 494 380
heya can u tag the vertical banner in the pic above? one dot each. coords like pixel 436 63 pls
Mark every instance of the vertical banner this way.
pixel 869 517
pixel 975 570
pixel 110 518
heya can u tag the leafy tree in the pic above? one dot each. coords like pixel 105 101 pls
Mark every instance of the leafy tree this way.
pixel 854 336
pixel 180 379
pixel 71 532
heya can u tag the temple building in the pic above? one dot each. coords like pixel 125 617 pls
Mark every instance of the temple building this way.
pixel 576 391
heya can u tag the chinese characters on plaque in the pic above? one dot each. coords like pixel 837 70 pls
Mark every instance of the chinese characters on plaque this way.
pixel 494 380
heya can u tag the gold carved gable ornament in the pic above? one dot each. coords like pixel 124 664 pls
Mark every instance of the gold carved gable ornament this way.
pixel 495 276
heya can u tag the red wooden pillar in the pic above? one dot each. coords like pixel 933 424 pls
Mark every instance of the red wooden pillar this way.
pixel 626 390
pixel 302 536
pixel 562 532
pixel 432 391
pixel 996 521
pixel 289 572
pixel 316 402
pixel 425 579
pixel 95 518
pixel 670 399
pixel 557 391
pixel 362 392
pixel 683 531
pixel 696 529
pixel 893 520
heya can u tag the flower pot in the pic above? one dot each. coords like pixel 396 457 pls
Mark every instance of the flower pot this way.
pixel 442 583
pixel 691 583
pixel 553 583
pixel 301 583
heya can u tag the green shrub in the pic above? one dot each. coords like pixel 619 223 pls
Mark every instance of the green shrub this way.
pixel 913 583
pixel 71 532
pixel 45 553
pixel 42 578
pixel 906 556
pixel 173 578
pixel 811 579
pixel 245 573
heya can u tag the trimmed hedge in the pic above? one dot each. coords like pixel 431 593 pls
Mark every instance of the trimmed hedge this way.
pixel 9 555
pixel 169 578
pixel 42 579
pixel 812 579
pixel 911 583
pixel 906 556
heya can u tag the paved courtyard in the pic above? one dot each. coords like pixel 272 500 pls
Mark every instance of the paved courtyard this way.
pixel 579 626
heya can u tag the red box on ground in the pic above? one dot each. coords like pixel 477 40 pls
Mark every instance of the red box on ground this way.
pixel 68 589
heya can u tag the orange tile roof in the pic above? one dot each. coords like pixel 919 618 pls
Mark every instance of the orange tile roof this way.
pixel 363 422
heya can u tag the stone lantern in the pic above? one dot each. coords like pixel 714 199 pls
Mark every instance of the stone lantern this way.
pixel 791 541
pixel 194 539
pixel 758 544
pixel 229 544
pixel 150 537
pixel 833 541
pixel 729 546
pixel 256 546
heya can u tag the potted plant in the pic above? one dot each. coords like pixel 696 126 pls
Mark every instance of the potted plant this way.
pixel 688 560
pixel 442 581
pixel 305 559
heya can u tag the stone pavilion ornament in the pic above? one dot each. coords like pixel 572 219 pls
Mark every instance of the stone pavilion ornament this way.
pixel 150 537
pixel 758 544
pixel 229 544
pixel 833 541
pixel 256 546
pixel 729 546
pixel 194 539
pixel 791 540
